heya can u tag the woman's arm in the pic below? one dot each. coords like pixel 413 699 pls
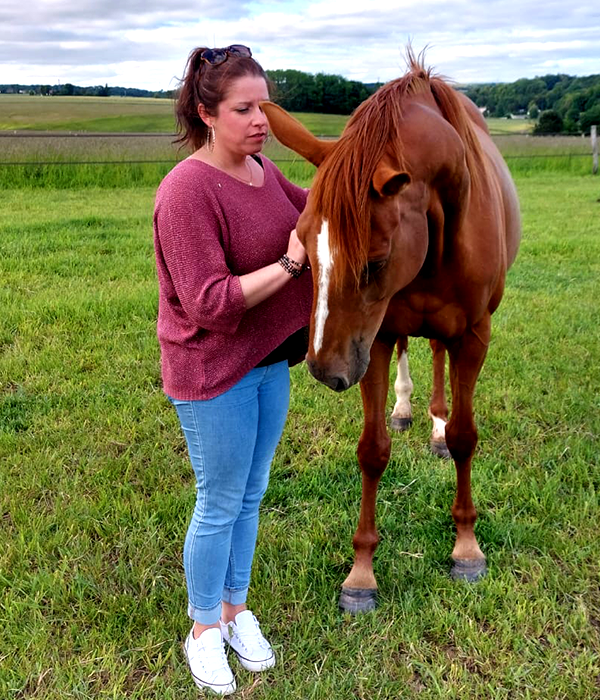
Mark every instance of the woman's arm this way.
pixel 261 284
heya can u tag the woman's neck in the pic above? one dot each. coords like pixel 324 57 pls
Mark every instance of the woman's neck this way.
pixel 237 165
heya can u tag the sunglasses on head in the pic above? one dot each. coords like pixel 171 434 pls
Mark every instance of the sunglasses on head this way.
pixel 218 56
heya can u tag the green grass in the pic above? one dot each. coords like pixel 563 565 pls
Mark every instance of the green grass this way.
pixel 115 114
pixel 509 126
pixel 96 489
pixel 56 113
pixel 144 115
pixel 98 155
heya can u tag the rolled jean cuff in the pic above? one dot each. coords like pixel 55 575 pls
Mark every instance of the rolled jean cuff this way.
pixel 205 617
pixel 235 597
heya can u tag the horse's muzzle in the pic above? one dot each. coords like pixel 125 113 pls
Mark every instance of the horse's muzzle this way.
pixel 338 375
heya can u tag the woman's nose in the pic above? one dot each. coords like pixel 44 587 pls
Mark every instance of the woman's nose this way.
pixel 259 117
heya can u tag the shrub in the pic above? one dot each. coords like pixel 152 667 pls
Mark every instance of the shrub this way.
pixel 550 122
pixel 589 118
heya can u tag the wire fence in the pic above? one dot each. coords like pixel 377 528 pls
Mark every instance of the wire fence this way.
pixel 27 149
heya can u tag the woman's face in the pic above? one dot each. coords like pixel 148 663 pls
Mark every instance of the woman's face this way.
pixel 240 124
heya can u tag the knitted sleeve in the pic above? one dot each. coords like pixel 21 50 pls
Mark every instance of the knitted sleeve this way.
pixel 188 229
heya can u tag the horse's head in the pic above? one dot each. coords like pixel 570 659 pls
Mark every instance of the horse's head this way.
pixel 365 232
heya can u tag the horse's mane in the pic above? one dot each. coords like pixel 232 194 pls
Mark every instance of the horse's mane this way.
pixel 341 189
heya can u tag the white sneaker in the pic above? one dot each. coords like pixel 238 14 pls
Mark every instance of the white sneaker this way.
pixel 208 662
pixel 246 639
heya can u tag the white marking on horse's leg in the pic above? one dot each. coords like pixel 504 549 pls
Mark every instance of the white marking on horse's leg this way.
pixel 403 387
pixel 438 434
pixel 325 265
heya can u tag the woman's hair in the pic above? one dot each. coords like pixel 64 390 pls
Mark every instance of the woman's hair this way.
pixel 207 84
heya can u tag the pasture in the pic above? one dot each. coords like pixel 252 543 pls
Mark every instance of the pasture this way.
pixel 96 489
pixel 145 115
pixel 74 142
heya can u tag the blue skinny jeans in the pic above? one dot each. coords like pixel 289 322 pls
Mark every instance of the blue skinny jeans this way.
pixel 231 441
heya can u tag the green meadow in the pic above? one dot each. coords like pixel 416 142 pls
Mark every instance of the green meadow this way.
pixel 96 489
pixel 74 142
pixel 146 115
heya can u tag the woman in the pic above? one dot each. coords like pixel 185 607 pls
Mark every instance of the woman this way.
pixel 233 300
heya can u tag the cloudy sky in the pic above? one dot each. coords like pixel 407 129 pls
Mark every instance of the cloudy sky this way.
pixel 145 43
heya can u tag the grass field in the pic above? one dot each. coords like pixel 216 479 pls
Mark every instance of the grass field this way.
pixel 66 142
pixel 145 115
pixel 96 489
pixel 114 114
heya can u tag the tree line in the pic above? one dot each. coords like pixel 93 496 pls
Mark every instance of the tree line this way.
pixel 69 89
pixel 558 103
pixel 292 89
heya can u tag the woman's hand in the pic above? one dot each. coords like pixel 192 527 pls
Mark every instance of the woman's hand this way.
pixel 296 251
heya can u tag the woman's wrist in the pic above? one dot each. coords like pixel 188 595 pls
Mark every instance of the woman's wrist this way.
pixel 291 266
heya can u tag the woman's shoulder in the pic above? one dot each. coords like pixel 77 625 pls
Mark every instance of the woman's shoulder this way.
pixel 186 170
pixel 187 176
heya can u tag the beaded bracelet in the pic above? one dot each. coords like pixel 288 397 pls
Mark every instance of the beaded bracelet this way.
pixel 293 268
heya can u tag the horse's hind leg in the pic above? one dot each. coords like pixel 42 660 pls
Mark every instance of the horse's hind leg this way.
pixel 359 590
pixel 438 408
pixel 466 359
pixel 401 418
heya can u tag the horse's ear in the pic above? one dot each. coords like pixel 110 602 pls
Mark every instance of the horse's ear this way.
pixel 387 181
pixel 295 135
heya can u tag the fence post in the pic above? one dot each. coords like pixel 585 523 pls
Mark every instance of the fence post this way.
pixel 594 131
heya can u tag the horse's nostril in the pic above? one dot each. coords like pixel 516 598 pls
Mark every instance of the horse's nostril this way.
pixel 338 383
pixel 333 381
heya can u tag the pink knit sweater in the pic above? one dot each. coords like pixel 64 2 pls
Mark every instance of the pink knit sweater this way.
pixel 209 229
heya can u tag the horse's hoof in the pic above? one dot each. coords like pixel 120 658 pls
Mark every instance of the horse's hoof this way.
pixel 470 570
pixel 358 600
pixel 400 424
pixel 440 449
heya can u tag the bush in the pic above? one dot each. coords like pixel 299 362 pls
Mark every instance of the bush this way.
pixel 589 118
pixel 550 122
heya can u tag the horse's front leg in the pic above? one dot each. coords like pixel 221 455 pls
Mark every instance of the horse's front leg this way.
pixel 359 590
pixel 467 355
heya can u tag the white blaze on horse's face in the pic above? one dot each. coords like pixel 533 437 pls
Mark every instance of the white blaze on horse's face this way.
pixel 325 266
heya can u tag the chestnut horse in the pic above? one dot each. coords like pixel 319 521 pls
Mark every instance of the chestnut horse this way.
pixel 410 226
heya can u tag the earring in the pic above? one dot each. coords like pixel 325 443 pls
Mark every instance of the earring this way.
pixel 210 139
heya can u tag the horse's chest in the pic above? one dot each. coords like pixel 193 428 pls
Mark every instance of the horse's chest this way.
pixel 425 315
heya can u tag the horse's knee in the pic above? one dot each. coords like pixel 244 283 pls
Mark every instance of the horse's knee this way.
pixel 373 457
pixel 461 442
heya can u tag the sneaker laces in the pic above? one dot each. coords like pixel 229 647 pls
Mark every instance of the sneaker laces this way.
pixel 251 635
pixel 217 656
pixel 214 655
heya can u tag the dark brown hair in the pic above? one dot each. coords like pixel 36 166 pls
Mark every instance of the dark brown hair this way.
pixel 206 84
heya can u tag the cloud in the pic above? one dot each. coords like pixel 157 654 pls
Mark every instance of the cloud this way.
pixel 145 43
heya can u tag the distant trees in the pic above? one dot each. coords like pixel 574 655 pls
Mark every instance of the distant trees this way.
pixel 89 91
pixel 560 102
pixel 297 91
pixel 589 118
pixel 572 99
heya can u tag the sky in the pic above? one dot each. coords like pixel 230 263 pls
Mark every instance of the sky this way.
pixel 145 43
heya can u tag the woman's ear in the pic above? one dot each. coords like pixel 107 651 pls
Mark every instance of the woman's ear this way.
pixel 204 115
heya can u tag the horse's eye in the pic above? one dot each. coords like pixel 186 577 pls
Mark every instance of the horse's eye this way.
pixel 372 269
